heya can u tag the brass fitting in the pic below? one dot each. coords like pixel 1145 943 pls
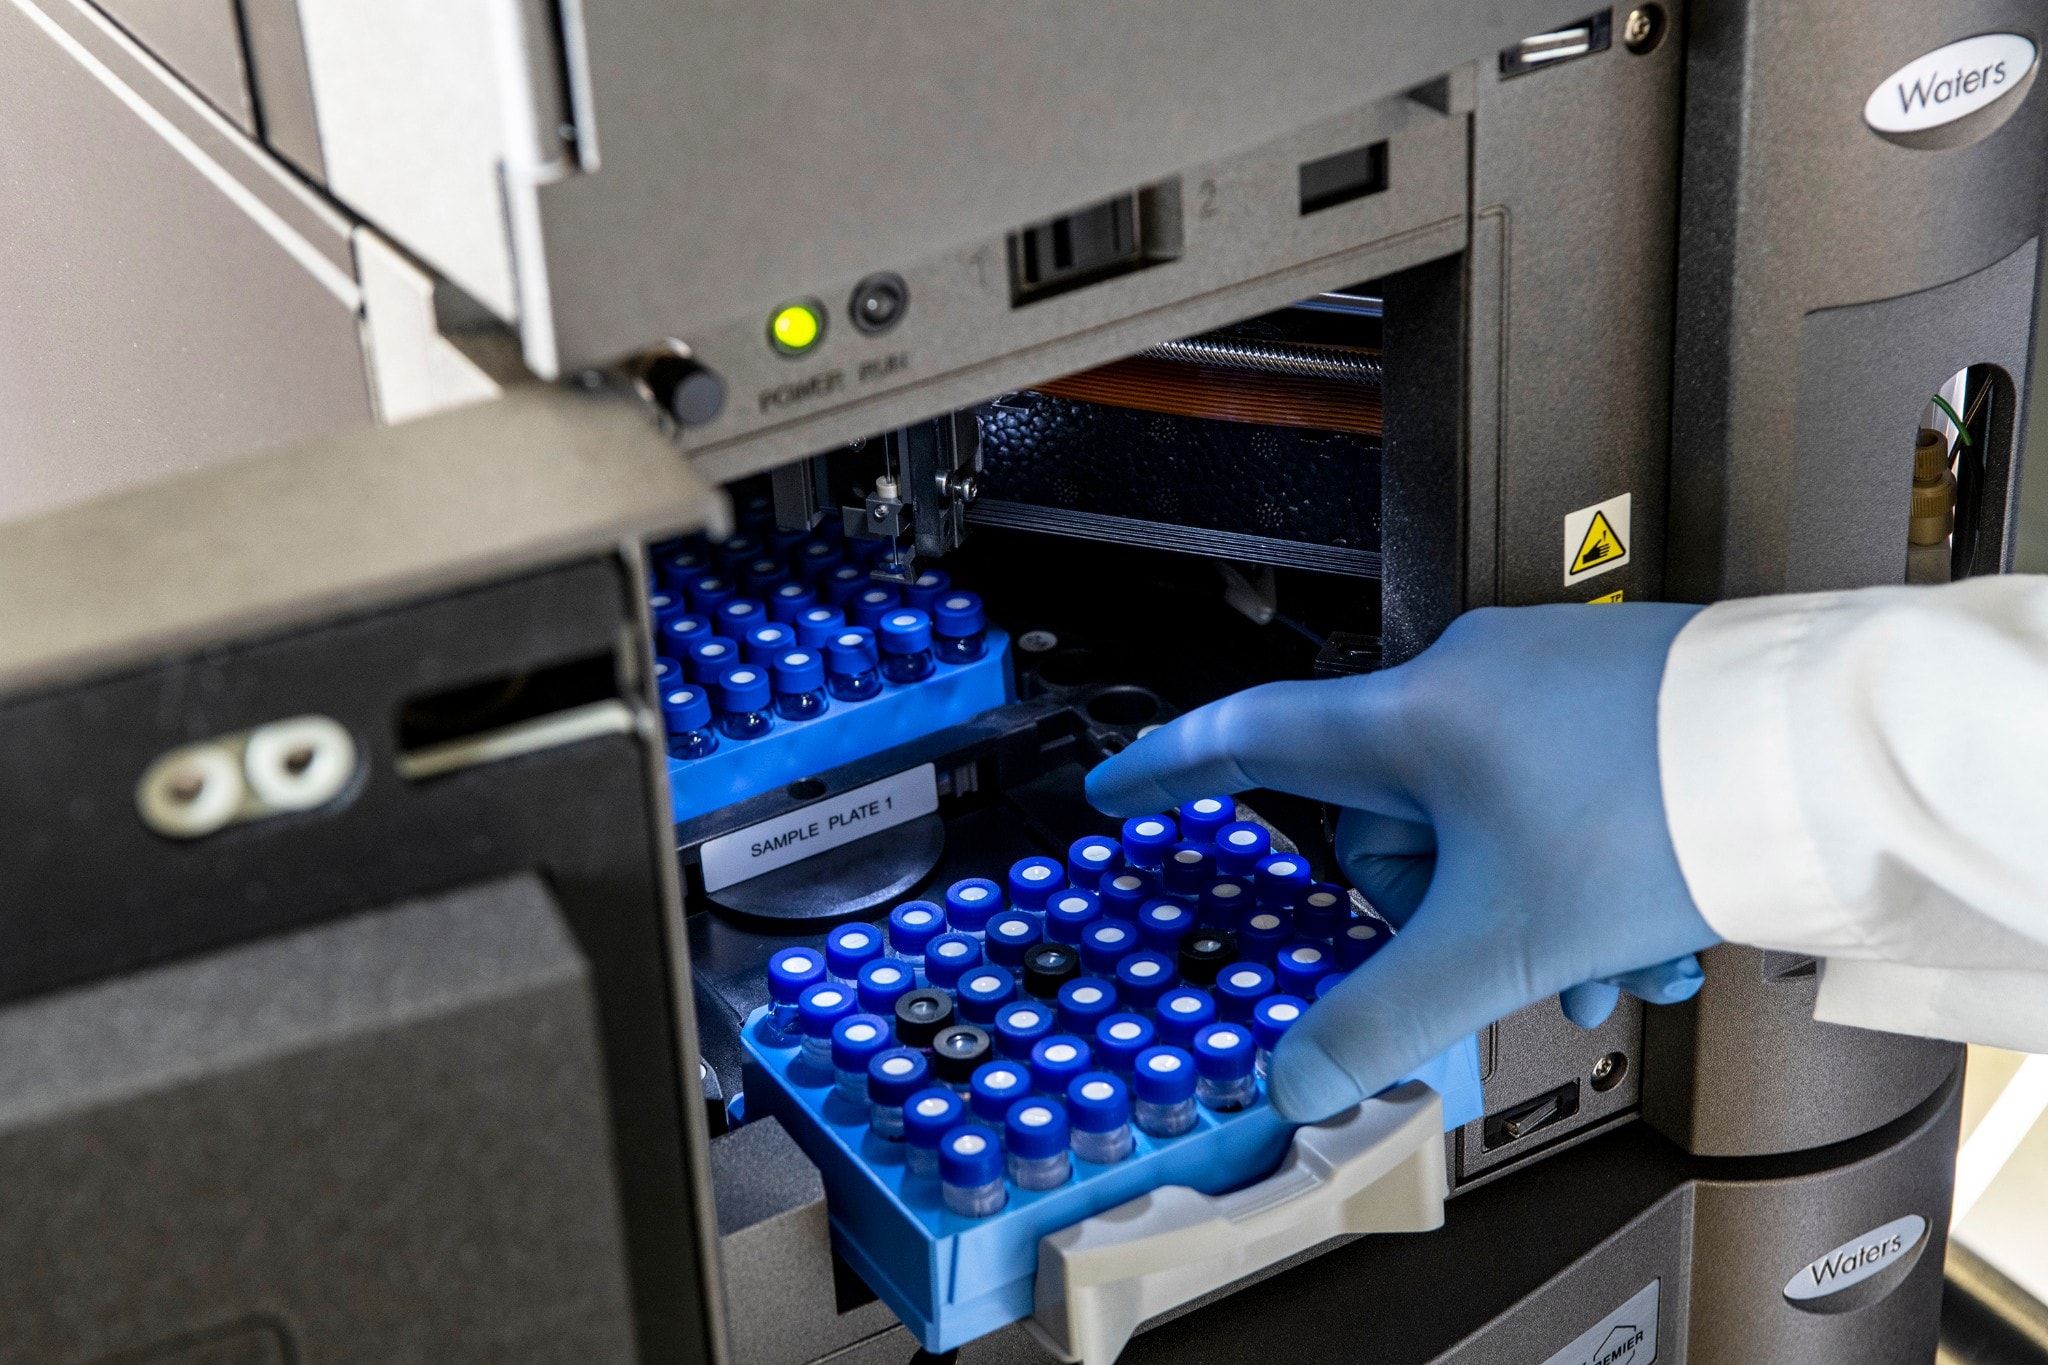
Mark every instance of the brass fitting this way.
pixel 1934 492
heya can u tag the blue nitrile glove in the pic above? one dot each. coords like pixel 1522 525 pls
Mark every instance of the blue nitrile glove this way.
pixel 1502 807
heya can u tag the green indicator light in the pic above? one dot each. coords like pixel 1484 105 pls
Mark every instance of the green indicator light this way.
pixel 796 327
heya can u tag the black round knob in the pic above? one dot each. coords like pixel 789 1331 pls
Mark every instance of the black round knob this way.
pixel 692 394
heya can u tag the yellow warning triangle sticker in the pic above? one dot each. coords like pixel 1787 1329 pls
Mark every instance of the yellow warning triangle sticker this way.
pixel 1599 546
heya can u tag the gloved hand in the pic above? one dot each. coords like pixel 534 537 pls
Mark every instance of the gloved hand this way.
pixel 1502 807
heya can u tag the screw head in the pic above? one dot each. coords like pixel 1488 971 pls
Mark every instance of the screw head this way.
pixel 1602 1068
pixel 1643 29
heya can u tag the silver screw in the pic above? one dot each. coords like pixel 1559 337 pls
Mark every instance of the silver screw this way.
pixel 1603 1068
pixel 1642 29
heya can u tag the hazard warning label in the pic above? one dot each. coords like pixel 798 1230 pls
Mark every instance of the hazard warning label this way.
pixel 1596 539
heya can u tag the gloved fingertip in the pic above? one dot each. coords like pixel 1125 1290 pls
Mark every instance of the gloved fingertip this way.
pixel 1589 1003
pixel 1112 793
pixel 1680 980
pixel 1306 1084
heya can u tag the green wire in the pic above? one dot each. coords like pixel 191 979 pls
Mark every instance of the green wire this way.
pixel 1961 430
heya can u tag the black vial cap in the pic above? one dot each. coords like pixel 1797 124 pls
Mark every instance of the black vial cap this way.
pixel 1049 966
pixel 920 1015
pixel 957 1050
pixel 1204 953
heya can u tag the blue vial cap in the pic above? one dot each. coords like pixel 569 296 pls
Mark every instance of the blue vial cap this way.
pixel 815 626
pixel 1163 924
pixel 822 1006
pixel 1225 900
pixel 882 983
pixel 1085 1002
pixel 797 670
pixel 1033 880
pixel 1123 893
pixel 1358 940
pixel 851 947
pixel 840 586
pixel 970 1156
pixel 1056 1060
pixel 1068 913
pixel 678 567
pixel 708 593
pixel 667 673
pixel 816 559
pixel 1279 879
pixel 982 991
pixel 1036 1128
pixel 1223 1052
pixel 969 904
pixel 1020 1026
pixel 1090 858
pixel 914 924
pixel 1164 1075
pixel 1261 934
pixel 662 604
pixel 930 1114
pixel 949 955
pixel 1298 967
pixel 856 1039
pixel 1328 984
pixel 1240 846
pixel 736 550
pixel 1105 943
pixel 894 1074
pixel 957 615
pixel 678 633
pixel 1146 839
pixel 851 651
pixel 872 603
pixel 1098 1102
pixel 1143 977
pixel 907 631
pixel 737 617
pixel 762 576
pixel 995 1087
pixel 783 541
pixel 1320 910
pixel 743 688
pixel 1188 868
pixel 790 601
pixel 710 657
pixel 793 971
pixel 1183 1012
pixel 923 590
pixel 1240 987
pixel 767 640
pixel 685 708
pixel 1275 1015
pixel 1120 1039
pixel 1009 936
pixel 1201 818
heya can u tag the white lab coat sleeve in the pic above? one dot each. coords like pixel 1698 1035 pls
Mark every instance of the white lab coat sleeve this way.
pixel 1863 776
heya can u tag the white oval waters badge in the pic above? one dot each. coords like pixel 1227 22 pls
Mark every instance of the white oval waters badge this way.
pixel 1857 1259
pixel 1944 87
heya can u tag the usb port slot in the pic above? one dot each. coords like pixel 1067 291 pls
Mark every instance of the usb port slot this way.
pixel 1592 34
pixel 1114 237
pixel 1530 1116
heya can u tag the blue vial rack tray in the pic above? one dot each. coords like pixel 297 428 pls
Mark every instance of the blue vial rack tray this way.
pixel 951 1278
pixel 850 730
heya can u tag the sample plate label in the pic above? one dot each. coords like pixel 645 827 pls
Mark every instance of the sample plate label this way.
pixel 1627 1336
pixel 822 825
pixel 1596 539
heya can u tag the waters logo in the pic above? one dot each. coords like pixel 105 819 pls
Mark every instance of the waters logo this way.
pixel 1857 1260
pixel 1948 85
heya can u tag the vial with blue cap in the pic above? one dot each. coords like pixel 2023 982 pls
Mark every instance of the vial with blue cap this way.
pixel 982 991
pixel 686 712
pixel 1020 1027
pixel 1089 858
pixel 1279 880
pixel 1182 1013
pixel 928 1116
pixel 743 694
pixel 1271 1019
pixel 849 948
pixel 1163 1081
pixel 1239 989
pixel 1223 901
pixel 971 1171
pixel 1146 839
pixel 1085 1002
pixel 790 601
pixel 1143 977
pixel 1120 1038
pixel 674 636
pixel 761 577
pixel 1162 924
pixel 1035 1144
pixel 667 673
pixel 1240 846
pixel 1125 892
pixel 1202 818
pixel 906 640
pixel 734 551
pixel 959 628
pixel 1261 935
pixel 799 681
pixel 1033 881
pixel 709 658
pixel 763 642
pixel 1225 1060
pixel 735 618
pixel 1320 912
pixel 925 589
pixel 1009 936
pixel 996 1086
pixel 707 593
pixel 840 586
pixel 970 903
pixel 872 603
pixel 1298 966
pixel 1099 1112
pixel 856 1040
pixel 1068 913
pixel 894 1075
pixel 816 558
pixel 1188 868
pixel 949 956
pixel 1358 940
pixel 1056 1060
pixel 662 604
pixel 785 541
pixel 913 925
pixel 853 669
pixel 818 1012
pixel 678 567
pixel 815 626
pixel 791 972
pixel 882 983
pixel 1105 943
